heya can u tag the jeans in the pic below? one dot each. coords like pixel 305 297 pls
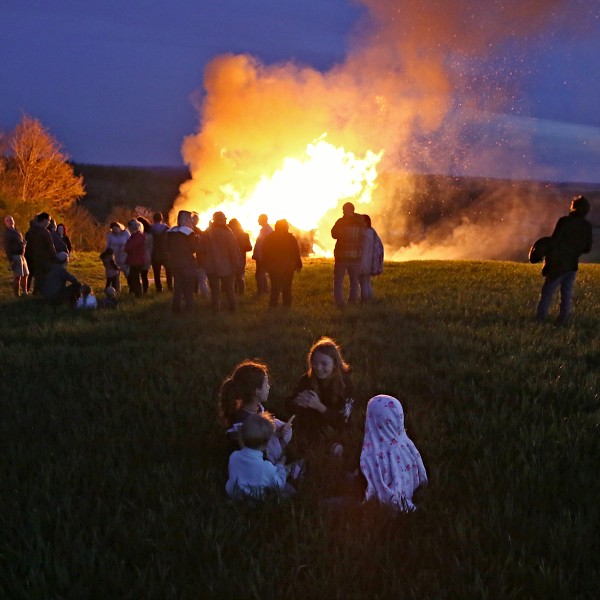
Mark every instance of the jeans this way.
pixel 184 281
pixel 565 281
pixel 156 265
pixel 226 284
pixel 281 283
pixel 262 283
pixel 366 291
pixel 339 272
pixel 134 282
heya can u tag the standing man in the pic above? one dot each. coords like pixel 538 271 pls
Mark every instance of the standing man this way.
pixel 14 246
pixel 349 233
pixel 41 249
pixel 262 283
pixel 160 252
pixel 182 245
pixel 282 257
pixel 571 238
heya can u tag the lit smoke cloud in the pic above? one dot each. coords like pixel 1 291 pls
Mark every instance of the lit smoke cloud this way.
pixel 426 84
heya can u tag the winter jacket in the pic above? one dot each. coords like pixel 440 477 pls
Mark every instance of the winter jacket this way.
pixel 349 233
pixel 223 256
pixel 135 247
pixel 280 253
pixel 182 245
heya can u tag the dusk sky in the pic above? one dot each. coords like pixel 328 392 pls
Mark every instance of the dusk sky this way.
pixel 118 83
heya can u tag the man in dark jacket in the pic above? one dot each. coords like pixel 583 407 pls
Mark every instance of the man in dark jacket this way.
pixel 40 252
pixel 160 252
pixel 281 257
pixel 182 246
pixel 60 286
pixel 349 233
pixel 571 238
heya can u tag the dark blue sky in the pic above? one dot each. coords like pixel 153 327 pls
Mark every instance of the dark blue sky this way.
pixel 114 80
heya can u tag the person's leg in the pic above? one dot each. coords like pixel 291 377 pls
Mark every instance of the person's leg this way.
pixel 366 291
pixel 548 289
pixel 228 283
pixel 169 276
pixel 286 287
pixel 353 269
pixel 262 283
pixel 203 284
pixel 339 272
pixel 135 284
pixel 215 292
pixel 16 285
pixel 156 274
pixel 177 293
pixel 275 289
pixel 189 283
pixel 145 284
pixel 566 295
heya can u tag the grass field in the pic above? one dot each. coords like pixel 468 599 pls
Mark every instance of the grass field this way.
pixel 114 464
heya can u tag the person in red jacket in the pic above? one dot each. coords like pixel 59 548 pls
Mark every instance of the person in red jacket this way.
pixel 281 257
pixel 135 247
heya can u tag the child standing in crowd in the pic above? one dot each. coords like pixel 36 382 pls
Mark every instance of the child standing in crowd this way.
pixel 243 394
pixel 111 269
pixel 322 399
pixel 249 473
pixel 390 462
pixel 87 299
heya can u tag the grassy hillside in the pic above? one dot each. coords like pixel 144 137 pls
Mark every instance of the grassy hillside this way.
pixel 114 464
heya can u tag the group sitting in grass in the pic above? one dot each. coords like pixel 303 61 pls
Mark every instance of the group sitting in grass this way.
pixel 266 461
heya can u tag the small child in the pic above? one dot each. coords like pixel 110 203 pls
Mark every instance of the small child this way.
pixel 111 268
pixel 389 460
pixel 242 395
pixel 249 473
pixel 110 298
pixel 87 300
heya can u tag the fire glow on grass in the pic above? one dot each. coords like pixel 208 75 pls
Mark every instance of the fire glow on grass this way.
pixel 303 191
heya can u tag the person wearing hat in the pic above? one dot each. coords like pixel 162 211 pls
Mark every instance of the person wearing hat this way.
pixel 571 238
pixel 223 261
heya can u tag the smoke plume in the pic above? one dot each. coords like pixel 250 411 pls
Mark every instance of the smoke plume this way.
pixel 426 82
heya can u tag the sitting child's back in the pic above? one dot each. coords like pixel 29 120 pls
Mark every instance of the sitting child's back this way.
pixel 249 473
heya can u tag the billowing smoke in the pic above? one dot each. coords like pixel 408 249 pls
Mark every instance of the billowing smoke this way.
pixel 425 84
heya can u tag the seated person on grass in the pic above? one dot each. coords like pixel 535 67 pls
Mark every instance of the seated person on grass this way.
pixel 60 287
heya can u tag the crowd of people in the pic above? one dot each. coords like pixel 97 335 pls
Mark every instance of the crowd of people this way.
pixel 213 262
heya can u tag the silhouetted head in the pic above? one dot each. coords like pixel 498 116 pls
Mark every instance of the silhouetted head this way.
pixel 263 220
pixel 348 208
pixel 580 205
pixel 184 218
pixel 157 217
pixel 282 226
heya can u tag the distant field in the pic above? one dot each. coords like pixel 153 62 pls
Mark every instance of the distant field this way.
pixel 113 463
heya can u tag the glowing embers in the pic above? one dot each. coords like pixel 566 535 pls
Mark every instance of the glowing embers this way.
pixel 304 190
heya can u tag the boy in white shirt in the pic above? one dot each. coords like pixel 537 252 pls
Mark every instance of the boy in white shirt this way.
pixel 249 473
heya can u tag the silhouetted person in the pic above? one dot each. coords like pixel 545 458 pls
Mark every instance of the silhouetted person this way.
pixel 135 248
pixel 160 254
pixel 349 233
pixel 281 257
pixel 571 238
pixel 41 250
pixel 223 261
pixel 243 242
pixel 201 284
pixel 182 246
pixel 371 262
pixel 14 247
pixel 262 283
pixel 60 286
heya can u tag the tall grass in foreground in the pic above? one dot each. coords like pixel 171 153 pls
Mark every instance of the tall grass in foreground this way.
pixel 113 462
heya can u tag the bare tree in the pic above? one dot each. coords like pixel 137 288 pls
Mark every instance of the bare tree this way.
pixel 35 173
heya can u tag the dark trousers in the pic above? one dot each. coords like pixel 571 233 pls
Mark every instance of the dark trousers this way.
pixel 156 266
pixel 184 281
pixel 113 282
pixel 281 283
pixel 262 282
pixel 145 284
pixel 133 281
pixel 226 284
